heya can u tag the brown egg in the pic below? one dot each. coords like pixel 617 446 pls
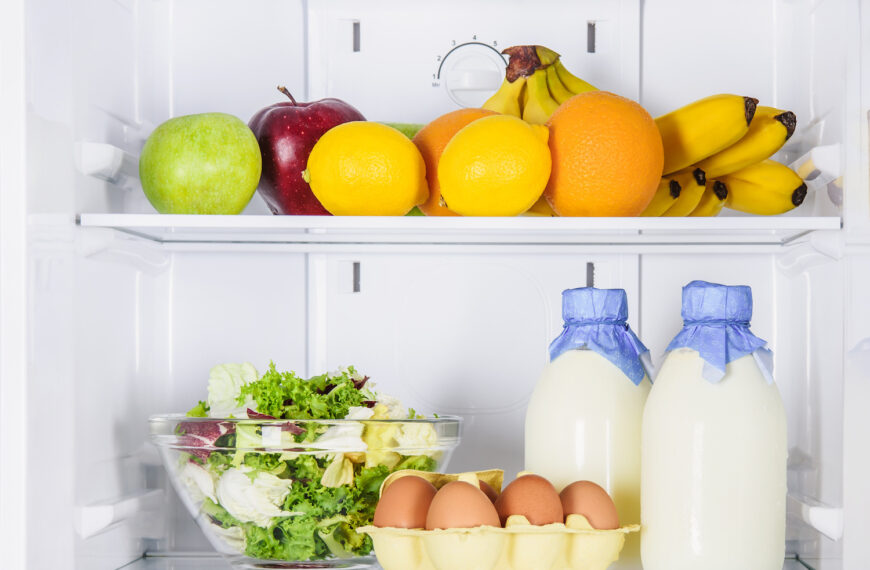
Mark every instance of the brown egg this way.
pixel 488 490
pixel 404 503
pixel 460 505
pixel 590 500
pixel 533 497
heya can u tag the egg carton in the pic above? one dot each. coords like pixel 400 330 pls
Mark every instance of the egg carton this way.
pixel 574 545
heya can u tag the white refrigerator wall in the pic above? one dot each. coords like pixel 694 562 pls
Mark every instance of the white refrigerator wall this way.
pixel 118 329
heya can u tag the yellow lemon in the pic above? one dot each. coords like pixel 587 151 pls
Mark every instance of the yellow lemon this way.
pixel 364 168
pixel 495 166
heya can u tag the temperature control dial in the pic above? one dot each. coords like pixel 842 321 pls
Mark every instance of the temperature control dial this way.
pixel 471 73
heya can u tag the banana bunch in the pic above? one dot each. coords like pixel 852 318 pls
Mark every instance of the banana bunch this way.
pixel 535 84
pixel 678 194
pixel 728 139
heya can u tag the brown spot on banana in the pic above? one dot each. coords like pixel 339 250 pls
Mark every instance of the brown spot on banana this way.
pixel 674 189
pixel 699 176
pixel 720 190
pixel 749 105
pixel 797 197
pixel 789 121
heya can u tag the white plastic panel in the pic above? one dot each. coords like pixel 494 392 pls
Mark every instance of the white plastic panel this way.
pixel 459 334
pixel 856 395
pixel 51 383
pixel 110 50
pixel 89 393
pixel 406 46
pixel 694 49
pixel 829 65
pixel 229 56
pixel 233 308
pixel 809 310
pixel 15 322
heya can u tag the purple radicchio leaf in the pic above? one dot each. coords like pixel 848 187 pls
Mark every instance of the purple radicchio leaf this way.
pixel 358 384
pixel 258 416
pixel 202 434
pixel 292 428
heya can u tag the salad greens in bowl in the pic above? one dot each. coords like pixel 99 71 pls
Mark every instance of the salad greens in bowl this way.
pixel 280 471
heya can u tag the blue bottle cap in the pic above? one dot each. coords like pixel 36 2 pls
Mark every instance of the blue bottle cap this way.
pixel 716 324
pixel 590 305
pixel 596 319
pixel 711 302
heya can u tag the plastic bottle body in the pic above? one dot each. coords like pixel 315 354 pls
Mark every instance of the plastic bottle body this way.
pixel 584 422
pixel 714 469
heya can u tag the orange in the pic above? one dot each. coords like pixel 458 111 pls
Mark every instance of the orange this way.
pixel 607 156
pixel 431 140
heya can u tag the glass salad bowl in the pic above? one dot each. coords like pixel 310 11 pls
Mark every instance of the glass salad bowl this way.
pixel 278 493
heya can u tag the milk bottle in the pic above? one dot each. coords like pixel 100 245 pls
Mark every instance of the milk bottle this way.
pixel 713 492
pixel 584 417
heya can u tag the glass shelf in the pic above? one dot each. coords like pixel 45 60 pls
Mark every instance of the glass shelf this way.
pixel 208 562
pixel 313 232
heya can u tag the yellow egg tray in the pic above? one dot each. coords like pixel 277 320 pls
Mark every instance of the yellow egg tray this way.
pixel 574 545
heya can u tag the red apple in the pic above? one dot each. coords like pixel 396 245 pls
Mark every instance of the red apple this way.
pixel 286 132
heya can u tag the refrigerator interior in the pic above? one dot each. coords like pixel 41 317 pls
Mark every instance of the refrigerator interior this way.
pixel 127 310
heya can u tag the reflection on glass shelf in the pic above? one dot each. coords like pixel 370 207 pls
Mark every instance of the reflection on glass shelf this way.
pixel 181 562
pixel 314 231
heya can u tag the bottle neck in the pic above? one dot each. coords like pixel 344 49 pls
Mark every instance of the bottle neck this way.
pixel 714 323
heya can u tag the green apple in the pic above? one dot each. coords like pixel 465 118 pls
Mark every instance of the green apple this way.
pixel 200 164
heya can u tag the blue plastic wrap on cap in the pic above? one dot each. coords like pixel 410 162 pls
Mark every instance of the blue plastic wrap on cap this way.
pixel 716 324
pixel 596 319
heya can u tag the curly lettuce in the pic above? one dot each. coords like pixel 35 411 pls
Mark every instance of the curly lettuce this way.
pixel 328 396
pixel 292 504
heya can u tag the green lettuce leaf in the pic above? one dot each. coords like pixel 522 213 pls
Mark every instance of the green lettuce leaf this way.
pixel 285 395
pixel 290 538
pixel 418 462
pixel 200 410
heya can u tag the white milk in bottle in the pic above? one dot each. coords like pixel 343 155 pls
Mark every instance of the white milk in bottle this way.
pixel 714 444
pixel 584 418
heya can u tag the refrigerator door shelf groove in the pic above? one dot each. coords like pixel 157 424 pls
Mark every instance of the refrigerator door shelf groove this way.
pixel 109 163
pixel 93 519
pixel 826 519
pixel 109 245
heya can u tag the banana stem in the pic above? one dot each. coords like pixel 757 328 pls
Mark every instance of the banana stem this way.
pixel 286 92
pixel 523 62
